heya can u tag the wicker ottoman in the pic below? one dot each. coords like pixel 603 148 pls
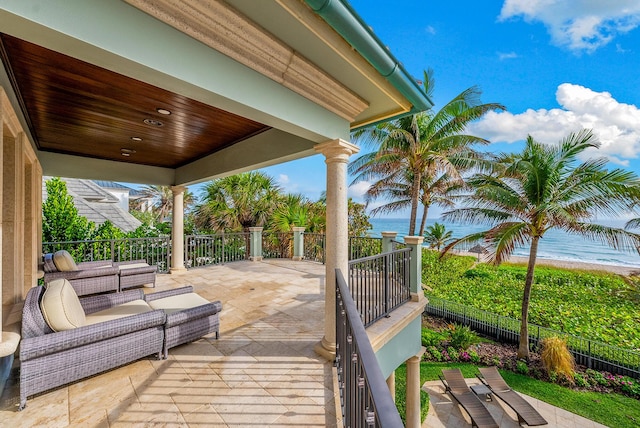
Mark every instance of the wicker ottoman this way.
pixel 136 273
pixel 189 315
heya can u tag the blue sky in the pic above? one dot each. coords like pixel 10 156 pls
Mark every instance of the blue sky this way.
pixel 557 65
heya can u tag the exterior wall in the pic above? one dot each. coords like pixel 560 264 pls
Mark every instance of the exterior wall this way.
pixel 20 216
pixel 404 345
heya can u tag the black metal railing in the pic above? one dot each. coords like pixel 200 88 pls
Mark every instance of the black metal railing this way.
pixel 379 284
pixel 277 245
pixel 592 354
pixel 155 250
pixel 206 250
pixel 364 395
pixel 314 247
pixel 364 246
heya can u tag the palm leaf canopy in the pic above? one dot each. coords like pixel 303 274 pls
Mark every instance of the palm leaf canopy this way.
pixel 544 187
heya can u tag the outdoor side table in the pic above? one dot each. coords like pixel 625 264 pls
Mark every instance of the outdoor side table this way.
pixel 482 391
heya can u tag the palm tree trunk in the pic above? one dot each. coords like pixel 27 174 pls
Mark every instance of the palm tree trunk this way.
pixel 415 196
pixel 423 222
pixel 523 348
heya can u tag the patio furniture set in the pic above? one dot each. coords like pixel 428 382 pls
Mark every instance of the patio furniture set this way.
pixel 67 335
pixel 492 383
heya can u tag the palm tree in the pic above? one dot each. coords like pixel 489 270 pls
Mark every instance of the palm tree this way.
pixel 237 202
pixel 544 188
pixel 162 200
pixel 420 147
pixel 437 235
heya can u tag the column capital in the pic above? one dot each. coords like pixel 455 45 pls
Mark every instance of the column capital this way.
pixel 337 150
pixel 297 229
pixel 178 189
pixel 389 234
pixel 413 240
pixel 255 229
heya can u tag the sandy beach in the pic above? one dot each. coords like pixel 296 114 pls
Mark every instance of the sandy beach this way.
pixel 619 270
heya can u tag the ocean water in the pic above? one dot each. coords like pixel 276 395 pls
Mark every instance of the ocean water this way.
pixel 555 244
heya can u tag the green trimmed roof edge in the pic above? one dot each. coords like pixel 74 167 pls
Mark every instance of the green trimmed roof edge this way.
pixel 344 19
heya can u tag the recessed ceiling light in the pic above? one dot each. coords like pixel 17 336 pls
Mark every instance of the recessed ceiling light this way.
pixel 136 138
pixel 153 122
pixel 126 152
pixel 163 111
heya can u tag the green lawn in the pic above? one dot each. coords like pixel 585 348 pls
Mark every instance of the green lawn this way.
pixel 613 410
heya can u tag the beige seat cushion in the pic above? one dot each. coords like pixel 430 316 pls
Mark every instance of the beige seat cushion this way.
pixel 132 266
pixel 61 307
pixel 177 303
pixel 64 262
pixel 134 307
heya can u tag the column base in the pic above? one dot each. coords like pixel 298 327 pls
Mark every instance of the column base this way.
pixel 297 258
pixel 175 270
pixel 255 258
pixel 326 349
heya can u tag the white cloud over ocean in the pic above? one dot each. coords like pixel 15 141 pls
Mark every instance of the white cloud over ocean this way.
pixel 616 124
pixel 580 25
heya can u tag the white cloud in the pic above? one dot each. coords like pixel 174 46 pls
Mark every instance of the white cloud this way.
pixel 283 179
pixel 580 25
pixel 507 55
pixel 357 190
pixel 430 30
pixel 616 124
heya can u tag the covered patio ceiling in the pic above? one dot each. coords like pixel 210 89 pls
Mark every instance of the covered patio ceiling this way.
pixel 247 84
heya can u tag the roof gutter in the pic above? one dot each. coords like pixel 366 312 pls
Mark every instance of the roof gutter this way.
pixel 344 19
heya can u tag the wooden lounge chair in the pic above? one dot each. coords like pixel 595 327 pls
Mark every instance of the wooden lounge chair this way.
pixel 526 413
pixel 456 386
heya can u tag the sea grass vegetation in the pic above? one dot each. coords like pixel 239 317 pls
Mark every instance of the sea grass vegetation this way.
pixel 593 305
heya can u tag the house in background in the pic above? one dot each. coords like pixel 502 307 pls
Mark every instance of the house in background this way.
pixel 175 93
pixel 127 196
pixel 96 201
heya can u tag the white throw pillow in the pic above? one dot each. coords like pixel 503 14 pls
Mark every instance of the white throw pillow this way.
pixel 64 262
pixel 61 307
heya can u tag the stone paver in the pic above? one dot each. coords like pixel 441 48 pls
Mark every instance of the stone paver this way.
pixel 261 372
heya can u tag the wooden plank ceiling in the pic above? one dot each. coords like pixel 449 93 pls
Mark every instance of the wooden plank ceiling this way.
pixel 77 108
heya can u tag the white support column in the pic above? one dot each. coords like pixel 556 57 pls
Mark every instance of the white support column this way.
pixel 337 153
pixel 177 230
pixel 413 390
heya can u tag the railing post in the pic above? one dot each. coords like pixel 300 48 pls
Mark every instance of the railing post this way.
pixel 387 241
pixel 255 249
pixel 113 255
pixel 415 268
pixel 298 243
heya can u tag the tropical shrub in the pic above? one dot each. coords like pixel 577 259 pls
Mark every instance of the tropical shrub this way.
pixel 432 338
pixel 522 368
pixel 556 357
pixel 462 336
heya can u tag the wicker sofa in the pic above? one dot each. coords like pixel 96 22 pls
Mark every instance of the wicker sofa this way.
pixel 86 278
pixel 66 338
pixel 50 359
pixel 98 276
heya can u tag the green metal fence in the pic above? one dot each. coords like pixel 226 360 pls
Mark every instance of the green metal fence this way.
pixel 592 354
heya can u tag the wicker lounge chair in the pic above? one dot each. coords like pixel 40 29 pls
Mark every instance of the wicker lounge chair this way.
pixel 526 413
pixel 114 329
pixel 456 386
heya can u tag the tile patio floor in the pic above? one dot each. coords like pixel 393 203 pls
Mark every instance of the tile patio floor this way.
pixel 261 372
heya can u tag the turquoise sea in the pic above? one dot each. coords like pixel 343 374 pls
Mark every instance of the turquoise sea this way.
pixel 555 244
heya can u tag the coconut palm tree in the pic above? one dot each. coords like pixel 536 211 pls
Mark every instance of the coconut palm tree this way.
pixel 544 188
pixel 420 147
pixel 437 236
pixel 237 202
